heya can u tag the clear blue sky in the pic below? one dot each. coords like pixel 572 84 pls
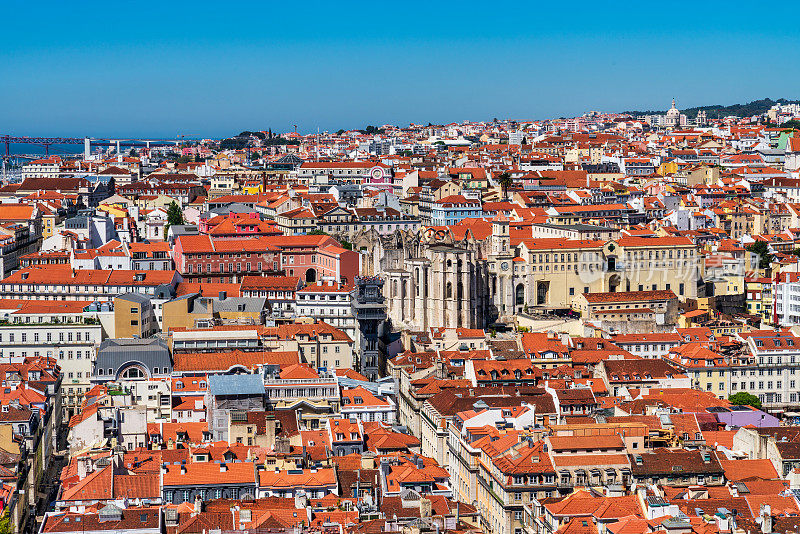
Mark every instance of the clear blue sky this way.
pixel 215 68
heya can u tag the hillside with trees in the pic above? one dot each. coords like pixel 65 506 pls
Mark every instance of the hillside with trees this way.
pixel 756 107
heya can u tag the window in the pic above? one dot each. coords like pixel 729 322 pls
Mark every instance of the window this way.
pixel 133 373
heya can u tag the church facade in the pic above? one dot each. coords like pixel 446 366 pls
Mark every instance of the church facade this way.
pixel 433 279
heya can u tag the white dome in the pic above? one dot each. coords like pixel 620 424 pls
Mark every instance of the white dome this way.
pixel 673 111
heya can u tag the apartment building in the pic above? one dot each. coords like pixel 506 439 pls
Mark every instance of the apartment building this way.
pixel 330 302
pixel 771 372
pixel 65 331
pixel 321 175
pixel 365 406
pixel 60 282
pixel 453 209
pixel 510 478
pixel 281 293
pixel 677 468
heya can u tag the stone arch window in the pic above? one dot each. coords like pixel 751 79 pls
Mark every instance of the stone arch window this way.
pixel 460 291
pixel 404 288
pixel 418 281
pixel 448 292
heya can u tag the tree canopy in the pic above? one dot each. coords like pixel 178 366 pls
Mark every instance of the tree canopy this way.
pixel 505 181
pixel 745 399
pixel 762 249
pixel 373 130
pixel 174 214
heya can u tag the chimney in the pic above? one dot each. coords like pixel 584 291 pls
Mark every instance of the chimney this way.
pixel 198 505
pixel 766 519
pixel 300 499
pixel 82 468
pixel 425 507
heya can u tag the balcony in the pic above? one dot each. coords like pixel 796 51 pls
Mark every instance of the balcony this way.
pixel 300 381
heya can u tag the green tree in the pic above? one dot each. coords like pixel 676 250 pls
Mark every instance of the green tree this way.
pixel 255 155
pixel 745 399
pixel 133 153
pixel 343 242
pixel 174 216
pixel 5 523
pixel 762 249
pixel 505 182
pixel 370 129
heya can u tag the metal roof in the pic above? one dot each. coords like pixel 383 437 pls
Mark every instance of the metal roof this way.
pixel 117 353
pixel 135 297
pixel 235 385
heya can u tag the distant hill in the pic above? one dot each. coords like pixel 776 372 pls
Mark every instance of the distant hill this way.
pixel 756 107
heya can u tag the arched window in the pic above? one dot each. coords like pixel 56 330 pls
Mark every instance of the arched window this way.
pixel 448 292
pixel 133 373
pixel 311 276
pixel 520 295
pixel 418 281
